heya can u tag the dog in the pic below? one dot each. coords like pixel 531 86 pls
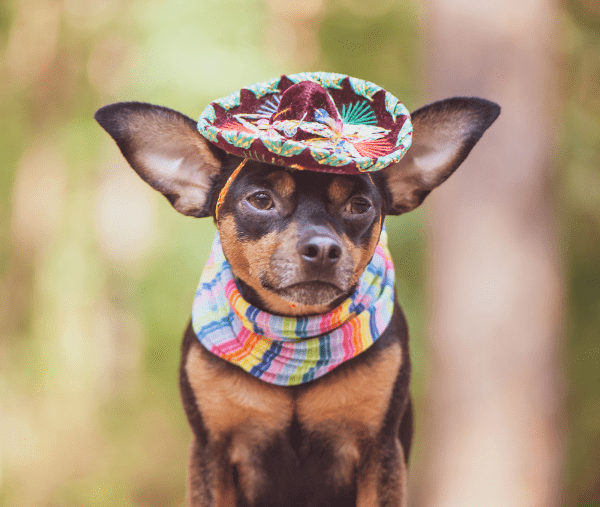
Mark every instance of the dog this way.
pixel 297 242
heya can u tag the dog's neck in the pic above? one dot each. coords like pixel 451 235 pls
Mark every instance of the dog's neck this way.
pixel 271 303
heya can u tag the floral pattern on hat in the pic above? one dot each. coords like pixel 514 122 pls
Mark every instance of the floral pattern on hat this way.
pixel 317 121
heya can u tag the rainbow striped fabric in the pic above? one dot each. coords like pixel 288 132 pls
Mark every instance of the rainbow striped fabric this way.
pixel 291 350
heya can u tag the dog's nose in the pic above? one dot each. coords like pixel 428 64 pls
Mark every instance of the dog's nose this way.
pixel 320 250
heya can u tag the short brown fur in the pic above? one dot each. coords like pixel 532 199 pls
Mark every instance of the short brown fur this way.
pixel 243 254
pixel 347 410
pixel 360 399
pixel 339 190
pixel 297 243
pixel 283 183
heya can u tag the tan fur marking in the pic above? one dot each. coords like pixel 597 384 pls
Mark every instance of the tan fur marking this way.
pixel 232 248
pixel 237 405
pixel 223 488
pixel 248 259
pixel 368 252
pixel 349 409
pixel 358 395
pixel 251 477
pixel 259 253
pixel 283 183
pixel 217 484
pixel 251 259
pixel 361 255
pixel 357 254
pixel 367 484
pixel 339 190
pixel 231 401
pixel 346 452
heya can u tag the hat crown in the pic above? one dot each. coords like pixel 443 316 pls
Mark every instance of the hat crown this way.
pixel 306 101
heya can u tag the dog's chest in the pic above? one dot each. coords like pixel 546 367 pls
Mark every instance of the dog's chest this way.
pixel 319 431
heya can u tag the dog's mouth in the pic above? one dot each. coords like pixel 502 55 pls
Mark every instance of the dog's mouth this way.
pixel 310 293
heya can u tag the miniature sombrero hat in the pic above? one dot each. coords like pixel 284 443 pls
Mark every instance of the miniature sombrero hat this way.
pixel 314 120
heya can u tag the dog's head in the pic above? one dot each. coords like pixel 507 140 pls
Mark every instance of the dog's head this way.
pixel 297 240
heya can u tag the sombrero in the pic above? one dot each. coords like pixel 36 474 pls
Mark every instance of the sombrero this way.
pixel 317 121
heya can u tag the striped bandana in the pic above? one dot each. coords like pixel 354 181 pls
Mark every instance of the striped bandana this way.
pixel 288 351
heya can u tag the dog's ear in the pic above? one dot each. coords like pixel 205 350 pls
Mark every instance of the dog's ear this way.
pixel 166 150
pixel 443 135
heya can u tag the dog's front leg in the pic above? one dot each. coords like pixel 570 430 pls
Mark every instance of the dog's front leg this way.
pixel 382 482
pixel 210 481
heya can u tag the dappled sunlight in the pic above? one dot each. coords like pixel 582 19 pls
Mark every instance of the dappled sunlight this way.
pixel 109 67
pixel 39 195
pixel 33 40
pixel 125 217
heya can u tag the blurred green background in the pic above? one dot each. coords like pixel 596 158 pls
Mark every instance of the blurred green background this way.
pixel 97 271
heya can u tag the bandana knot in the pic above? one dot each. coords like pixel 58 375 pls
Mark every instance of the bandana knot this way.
pixel 291 350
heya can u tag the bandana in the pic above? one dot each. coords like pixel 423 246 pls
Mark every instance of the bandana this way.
pixel 289 351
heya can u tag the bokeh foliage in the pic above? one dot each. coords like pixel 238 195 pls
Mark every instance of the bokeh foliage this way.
pixel 97 272
pixel 578 188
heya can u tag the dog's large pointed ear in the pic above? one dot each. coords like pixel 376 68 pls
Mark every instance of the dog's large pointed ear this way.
pixel 443 135
pixel 166 150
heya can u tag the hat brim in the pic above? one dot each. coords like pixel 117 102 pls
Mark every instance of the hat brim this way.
pixel 376 131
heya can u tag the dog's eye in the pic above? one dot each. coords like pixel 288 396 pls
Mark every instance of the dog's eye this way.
pixel 358 206
pixel 261 200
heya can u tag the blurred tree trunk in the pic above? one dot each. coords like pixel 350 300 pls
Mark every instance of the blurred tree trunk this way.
pixel 492 430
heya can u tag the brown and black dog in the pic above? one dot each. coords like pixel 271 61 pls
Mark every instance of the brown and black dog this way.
pixel 304 238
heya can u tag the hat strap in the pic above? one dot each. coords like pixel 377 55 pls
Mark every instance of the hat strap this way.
pixel 225 188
